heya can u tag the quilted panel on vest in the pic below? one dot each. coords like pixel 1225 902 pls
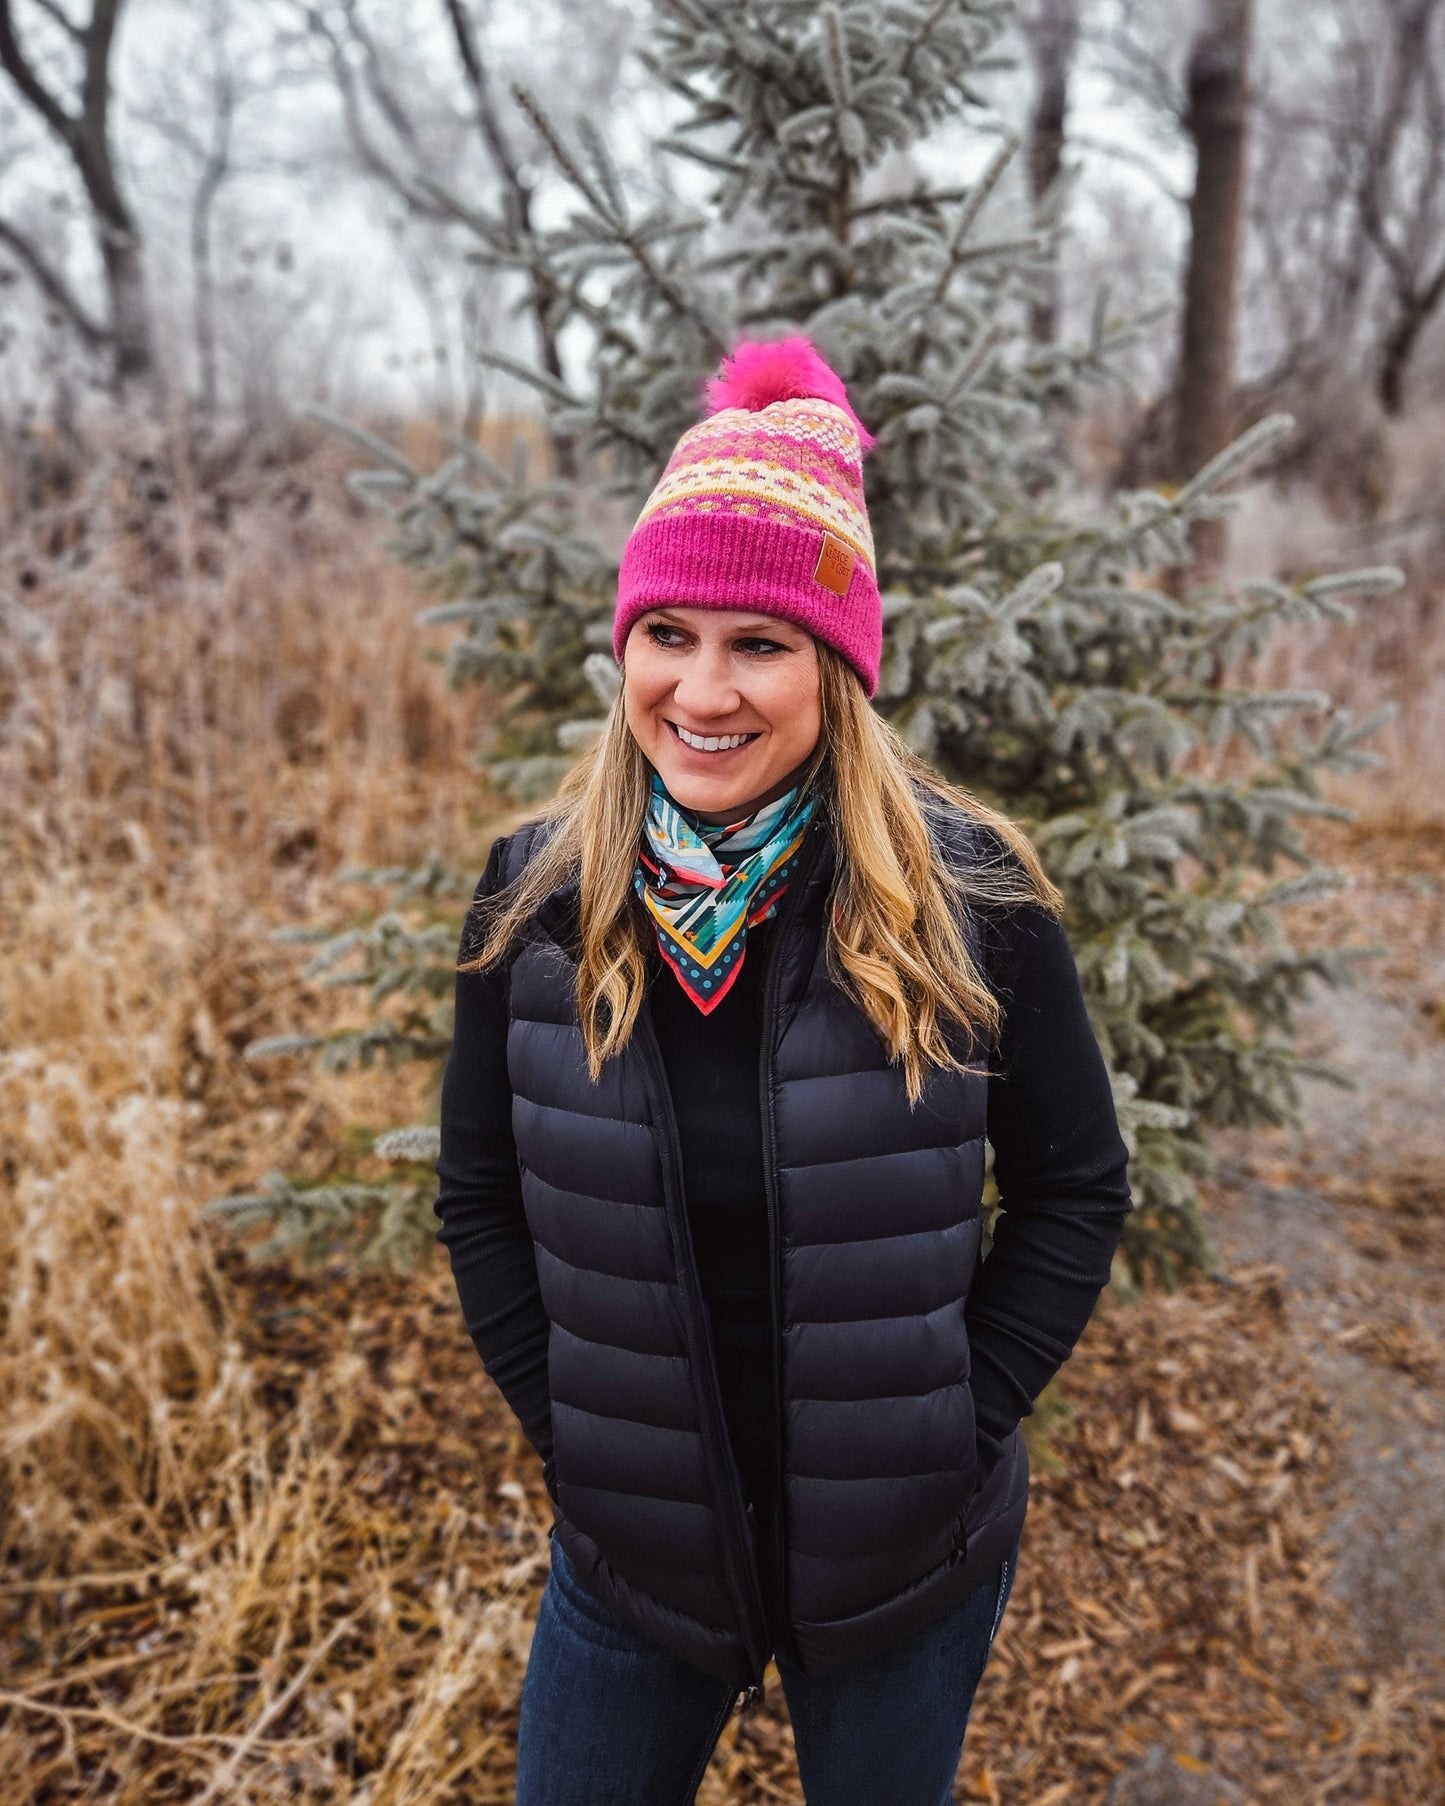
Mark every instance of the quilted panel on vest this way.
pixel 630 1470
pixel 880 1212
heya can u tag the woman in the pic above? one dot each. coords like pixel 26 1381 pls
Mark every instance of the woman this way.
pixel 734 1018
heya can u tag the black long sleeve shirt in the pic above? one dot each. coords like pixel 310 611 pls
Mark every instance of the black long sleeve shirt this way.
pixel 712 1066
pixel 1059 1164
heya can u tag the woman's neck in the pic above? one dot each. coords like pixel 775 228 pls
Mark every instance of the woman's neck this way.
pixel 714 818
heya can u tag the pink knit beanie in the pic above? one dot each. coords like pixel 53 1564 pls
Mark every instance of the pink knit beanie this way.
pixel 761 506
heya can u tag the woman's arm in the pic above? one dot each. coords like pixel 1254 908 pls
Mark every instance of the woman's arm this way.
pixel 1060 1166
pixel 479 1200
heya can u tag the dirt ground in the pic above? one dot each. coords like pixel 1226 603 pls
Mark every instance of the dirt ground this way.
pixel 1351 1207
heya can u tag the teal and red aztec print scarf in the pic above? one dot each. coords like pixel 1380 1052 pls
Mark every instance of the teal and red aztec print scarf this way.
pixel 705 884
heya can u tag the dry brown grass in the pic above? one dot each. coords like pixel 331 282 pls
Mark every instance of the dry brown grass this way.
pixel 201 1601
pixel 208 702
pixel 269 1536
pixel 226 672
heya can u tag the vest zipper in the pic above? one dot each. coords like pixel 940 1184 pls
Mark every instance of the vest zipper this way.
pixel 745 1697
pixel 741 1574
pixel 771 982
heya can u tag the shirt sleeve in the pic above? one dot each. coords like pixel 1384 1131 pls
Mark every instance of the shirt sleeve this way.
pixel 1061 1169
pixel 479 1198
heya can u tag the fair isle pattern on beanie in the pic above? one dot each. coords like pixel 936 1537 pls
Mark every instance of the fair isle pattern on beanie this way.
pixel 761 506
pixel 793 462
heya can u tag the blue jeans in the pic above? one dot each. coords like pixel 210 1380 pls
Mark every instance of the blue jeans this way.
pixel 609 1719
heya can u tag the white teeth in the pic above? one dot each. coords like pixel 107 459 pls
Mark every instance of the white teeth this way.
pixel 712 742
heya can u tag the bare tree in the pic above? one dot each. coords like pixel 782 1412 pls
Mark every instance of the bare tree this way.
pixel 1163 107
pixel 83 129
pixel 201 118
pixel 215 160
pixel 1217 80
pixel 1402 183
pixel 390 144
pixel 1346 263
pixel 1052 33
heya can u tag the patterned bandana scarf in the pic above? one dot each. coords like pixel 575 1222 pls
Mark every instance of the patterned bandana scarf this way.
pixel 705 885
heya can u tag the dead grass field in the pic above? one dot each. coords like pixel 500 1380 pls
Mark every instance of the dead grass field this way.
pixel 270 1536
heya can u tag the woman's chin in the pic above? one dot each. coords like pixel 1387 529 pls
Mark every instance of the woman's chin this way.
pixel 692 784
pixel 710 796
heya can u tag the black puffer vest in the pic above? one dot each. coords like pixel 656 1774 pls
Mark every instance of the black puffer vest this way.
pixel 874 1215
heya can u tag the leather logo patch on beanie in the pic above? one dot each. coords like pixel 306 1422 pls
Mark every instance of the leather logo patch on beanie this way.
pixel 835 565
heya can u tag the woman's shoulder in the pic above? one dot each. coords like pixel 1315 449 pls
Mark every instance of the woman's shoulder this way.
pixel 967 842
pixel 507 859
pixel 1010 919
pixel 510 855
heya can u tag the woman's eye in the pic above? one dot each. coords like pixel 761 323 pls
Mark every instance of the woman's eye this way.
pixel 661 633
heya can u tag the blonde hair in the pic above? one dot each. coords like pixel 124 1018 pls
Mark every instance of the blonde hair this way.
pixel 895 937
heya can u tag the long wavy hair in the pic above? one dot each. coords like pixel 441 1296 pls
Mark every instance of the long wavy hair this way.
pixel 896 940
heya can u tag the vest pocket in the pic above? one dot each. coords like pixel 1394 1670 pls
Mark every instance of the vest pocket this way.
pixel 971 1466
pixel 959 1535
pixel 968 1477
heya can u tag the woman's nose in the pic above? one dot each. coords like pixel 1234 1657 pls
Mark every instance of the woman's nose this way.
pixel 707 688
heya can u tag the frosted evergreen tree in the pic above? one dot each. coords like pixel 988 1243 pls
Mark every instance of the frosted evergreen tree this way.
pixel 1033 647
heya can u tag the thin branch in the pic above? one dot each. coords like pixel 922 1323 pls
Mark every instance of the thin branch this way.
pixel 420 197
pixel 1139 72
pixel 194 1744
pixel 488 120
pixel 16 65
pixel 1135 159
pixel 53 285
pixel 392 110
pixel 52 10
pixel 625 236
pixel 1380 152
pixel 225 1775
pixel 466 41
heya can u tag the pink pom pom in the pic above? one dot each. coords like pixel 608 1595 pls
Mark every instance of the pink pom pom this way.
pixel 760 371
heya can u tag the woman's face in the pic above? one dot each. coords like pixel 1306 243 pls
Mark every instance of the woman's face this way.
pixel 731 675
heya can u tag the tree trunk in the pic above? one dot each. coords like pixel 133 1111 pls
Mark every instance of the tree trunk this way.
pixel 133 366
pixel 564 450
pixel 1413 317
pixel 214 173
pixel 203 279
pixel 1052 33
pixel 85 134
pixel 1218 98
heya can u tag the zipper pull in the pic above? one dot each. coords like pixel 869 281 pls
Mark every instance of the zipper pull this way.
pixel 749 1696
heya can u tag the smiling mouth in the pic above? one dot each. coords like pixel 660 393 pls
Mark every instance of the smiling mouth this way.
pixel 708 743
